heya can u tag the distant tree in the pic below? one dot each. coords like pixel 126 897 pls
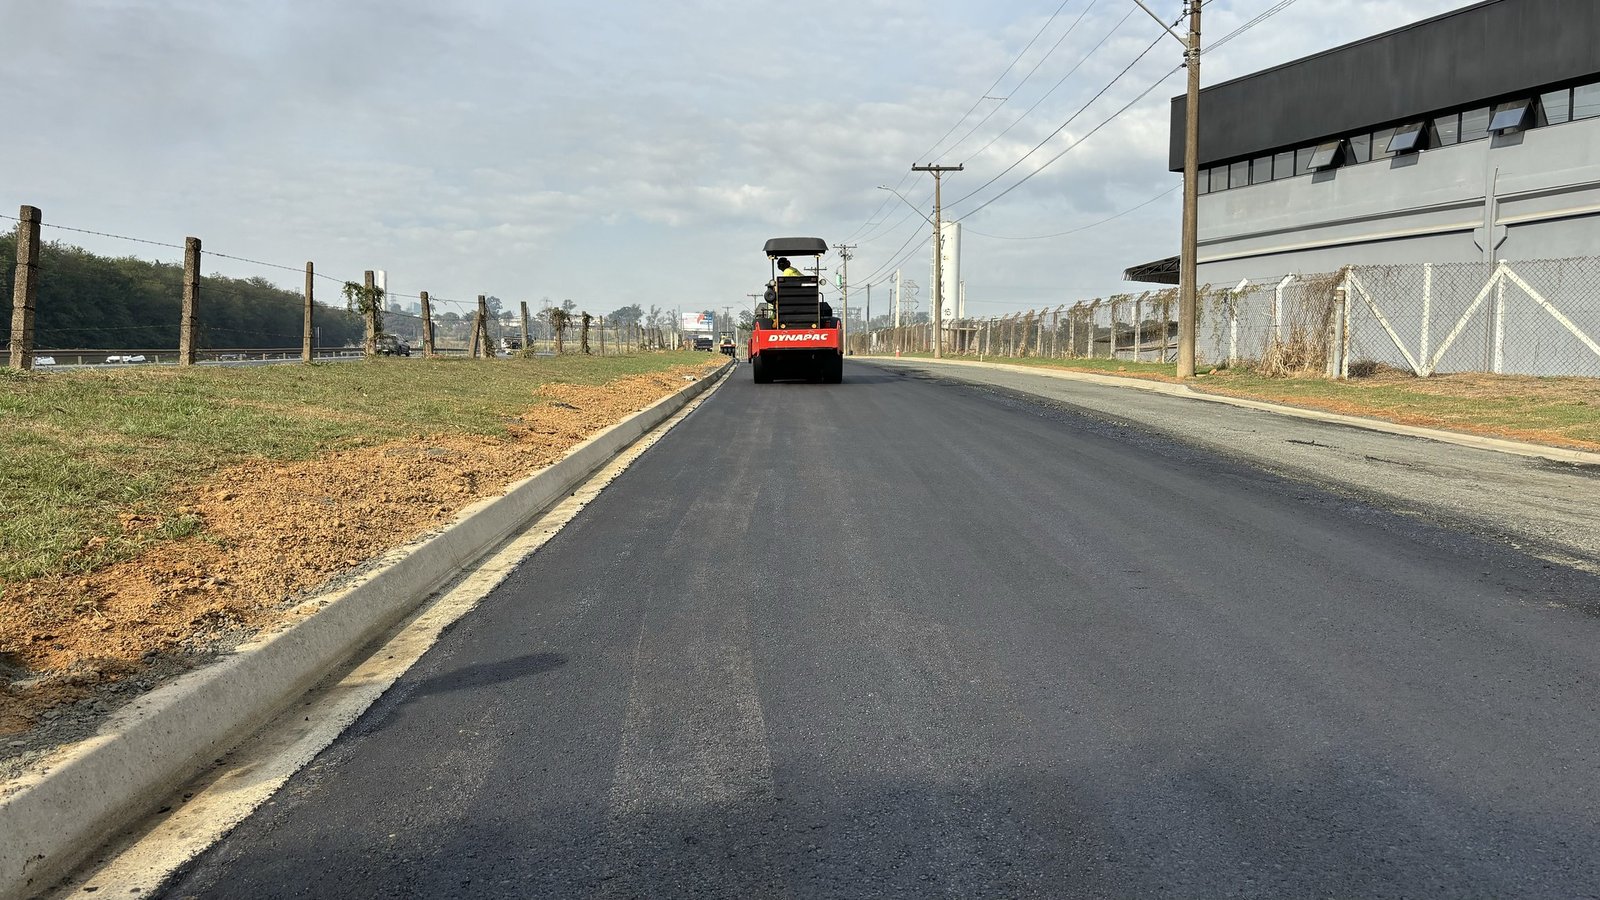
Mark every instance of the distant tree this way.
pixel 626 315
pixel 494 304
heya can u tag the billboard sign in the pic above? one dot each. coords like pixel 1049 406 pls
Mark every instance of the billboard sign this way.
pixel 698 322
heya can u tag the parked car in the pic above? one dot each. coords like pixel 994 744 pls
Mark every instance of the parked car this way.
pixel 44 360
pixel 389 345
pixel 126 358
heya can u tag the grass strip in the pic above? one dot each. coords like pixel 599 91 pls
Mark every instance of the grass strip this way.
pixel 87 452
pixel 1560 412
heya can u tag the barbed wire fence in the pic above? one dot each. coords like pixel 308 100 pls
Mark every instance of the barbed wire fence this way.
pixel 256 328
pixel 1527 317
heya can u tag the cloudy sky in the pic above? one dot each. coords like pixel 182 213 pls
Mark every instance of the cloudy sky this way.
pixel 620 152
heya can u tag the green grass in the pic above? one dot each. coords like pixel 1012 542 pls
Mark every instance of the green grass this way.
pixel 1558 411
pixel 82 448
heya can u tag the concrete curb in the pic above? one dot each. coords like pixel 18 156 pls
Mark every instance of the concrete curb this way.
pixel 1478 442
pixel 53 816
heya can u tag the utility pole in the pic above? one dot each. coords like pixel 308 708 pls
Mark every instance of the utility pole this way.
pixel 938 257
pixel 844 292
pixel 868 318
pixel 1188 255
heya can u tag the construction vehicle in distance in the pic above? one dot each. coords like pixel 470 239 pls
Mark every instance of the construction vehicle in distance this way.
pixel 796 335
pixel 727 345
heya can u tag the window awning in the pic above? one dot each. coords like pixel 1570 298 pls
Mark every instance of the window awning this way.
pixel 1161 271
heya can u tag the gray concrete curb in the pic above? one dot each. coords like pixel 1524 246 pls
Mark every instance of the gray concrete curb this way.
pixel 1498 445
pixel 63 809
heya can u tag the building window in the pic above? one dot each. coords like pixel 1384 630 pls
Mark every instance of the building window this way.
pixel 1475 124
pixel 1360 148
pixel 1380 143
pixel 1219 179
pixel 1239 173
pixel 1408 138
pixel 1586 101
pixel 1282 165
pixel 1261 170
pixel 1447 130
pixel 1325 156
pixel 1202 181
pixel 1509 116
pixel 1302 160
pixel 1557 107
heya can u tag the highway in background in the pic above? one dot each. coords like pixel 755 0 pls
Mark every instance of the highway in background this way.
pixel 914 637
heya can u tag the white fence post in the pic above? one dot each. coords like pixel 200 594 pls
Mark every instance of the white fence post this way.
pixel 1277 308
pixel 1427 314
pixel 1233 321
pixel 1498 358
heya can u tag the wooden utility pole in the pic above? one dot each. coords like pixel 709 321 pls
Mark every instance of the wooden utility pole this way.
pixel 189 319
pixel 25 291
pixel 307 350
pixel 938 256
pixel 427 325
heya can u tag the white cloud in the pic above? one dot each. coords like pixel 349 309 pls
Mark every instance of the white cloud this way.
pixel 582 149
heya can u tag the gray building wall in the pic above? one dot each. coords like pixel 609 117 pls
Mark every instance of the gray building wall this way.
pixel 1544 185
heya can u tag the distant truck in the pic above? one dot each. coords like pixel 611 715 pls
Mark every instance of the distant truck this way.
pixel 796 334
pixel 703 342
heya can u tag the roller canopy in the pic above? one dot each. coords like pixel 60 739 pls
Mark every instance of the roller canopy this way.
pixel 797 246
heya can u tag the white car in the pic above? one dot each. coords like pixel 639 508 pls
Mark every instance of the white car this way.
pixel 134 358
pixel 44 360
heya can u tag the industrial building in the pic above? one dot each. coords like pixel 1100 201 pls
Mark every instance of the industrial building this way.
pixel 1472 136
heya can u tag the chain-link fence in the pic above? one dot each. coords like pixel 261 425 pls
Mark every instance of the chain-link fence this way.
pixel 1534 317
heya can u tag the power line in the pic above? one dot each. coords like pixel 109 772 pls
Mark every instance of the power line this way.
pixel 1047 54
pixel 1069 121
pixel 928 154
pixel 1069 147
pixel 1059 83
pixel 1039 237
pixel 1269 13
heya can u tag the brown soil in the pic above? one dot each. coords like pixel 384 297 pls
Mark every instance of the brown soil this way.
pixel 273 533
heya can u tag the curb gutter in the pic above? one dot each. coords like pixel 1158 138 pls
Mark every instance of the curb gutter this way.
pixel 1478 442
pixel 53 816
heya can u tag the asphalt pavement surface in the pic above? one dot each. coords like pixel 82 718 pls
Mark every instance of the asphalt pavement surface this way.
pixel 913 637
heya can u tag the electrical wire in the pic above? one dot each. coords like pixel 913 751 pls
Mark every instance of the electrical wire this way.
pixel 1047 54
pixel 1051 136
pixel 1269 13
pixel 1039 237
pixel 1092 50
pixel 1069 147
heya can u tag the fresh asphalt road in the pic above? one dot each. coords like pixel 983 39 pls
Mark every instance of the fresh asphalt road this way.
pixel 904 637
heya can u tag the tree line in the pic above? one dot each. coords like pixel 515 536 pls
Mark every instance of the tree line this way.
pixel 88 301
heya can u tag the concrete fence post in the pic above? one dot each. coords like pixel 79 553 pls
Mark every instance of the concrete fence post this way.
pixel 1138 327
pixel 485 348
pixel 427 325
pixel 189 319
pixel 474 337
pixel 524 308
pixel 372 303
pixel 307 350
pixel 1427 317
pixel 1497 354
pixel 25 290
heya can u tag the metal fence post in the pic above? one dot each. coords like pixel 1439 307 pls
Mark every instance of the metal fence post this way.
pixel 25 289
pixel 189 317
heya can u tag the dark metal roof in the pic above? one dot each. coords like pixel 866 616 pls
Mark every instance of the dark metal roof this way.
pixel 1161 271
pixel 1474 55
pixel 797 246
